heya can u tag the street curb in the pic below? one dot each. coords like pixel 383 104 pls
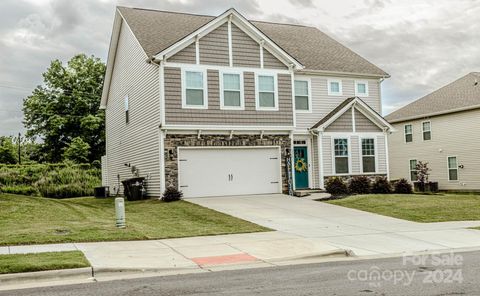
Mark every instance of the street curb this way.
pixel 50 275
pixel 335 253
pixel 105 271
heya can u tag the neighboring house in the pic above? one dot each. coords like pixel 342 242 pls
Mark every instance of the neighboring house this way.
pixel 443 129
pixel 222 105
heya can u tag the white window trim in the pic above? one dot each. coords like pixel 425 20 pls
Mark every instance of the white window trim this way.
pixel 184 88
pixel 222 93
pixel 257 92
pixel 375 155
pixel 405 133
pixel 349 150
pixel 330 93
pixel 410 170
pixel 423 131
pixel 309 89
pixel 448 169
pixel 357 82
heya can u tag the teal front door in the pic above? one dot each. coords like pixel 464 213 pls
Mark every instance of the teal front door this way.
pixel 300 165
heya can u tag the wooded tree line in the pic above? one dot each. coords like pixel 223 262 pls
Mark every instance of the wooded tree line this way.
pixel 62 116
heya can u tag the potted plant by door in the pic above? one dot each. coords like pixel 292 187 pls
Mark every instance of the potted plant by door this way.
pixel 423 184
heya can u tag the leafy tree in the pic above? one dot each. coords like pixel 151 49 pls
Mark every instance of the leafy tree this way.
pixel 66 107
pixel 7 151
pixel 77 151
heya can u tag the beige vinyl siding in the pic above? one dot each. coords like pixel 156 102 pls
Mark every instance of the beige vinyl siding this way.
pixel 342 124
pixel 214 115
pixel 381 154
pixel 355 154
pixel 322 103
pixel 327 155
pixel 363 124
pixel 271 62
pixel 186 55
pixel 454 134
pixel 245 50
pixel 135 143
pixel 214 47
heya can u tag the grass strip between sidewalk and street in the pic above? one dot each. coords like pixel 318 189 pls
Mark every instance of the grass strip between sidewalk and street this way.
pixel 416 207
pixel 15 263
pixel 38 220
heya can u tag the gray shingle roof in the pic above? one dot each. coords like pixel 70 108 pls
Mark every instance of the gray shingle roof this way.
pixel 462 94
pixel 156 30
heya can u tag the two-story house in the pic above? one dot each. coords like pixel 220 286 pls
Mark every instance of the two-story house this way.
pixel 443 129
pixel 228 106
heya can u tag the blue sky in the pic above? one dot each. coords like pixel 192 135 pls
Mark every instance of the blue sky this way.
pixel 422 44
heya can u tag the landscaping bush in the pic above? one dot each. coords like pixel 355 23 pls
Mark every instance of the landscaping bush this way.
pixel 402 186
pixel 49 180
pixel 171 194
pixel 336 186
pixel 381 185
pixel 359 184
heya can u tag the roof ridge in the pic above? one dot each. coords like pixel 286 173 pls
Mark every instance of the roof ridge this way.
pixel 284 24
pixel 165 11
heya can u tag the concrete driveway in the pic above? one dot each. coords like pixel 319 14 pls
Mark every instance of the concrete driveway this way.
pixel 363 233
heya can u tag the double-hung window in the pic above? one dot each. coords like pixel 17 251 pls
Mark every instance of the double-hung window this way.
pixel 413 169
pixel 334 87
pixel 368 155
pixel 267 92
pixel 302 95
pixel 427 130
pixel 194 92
pixel 452 168
pixel 231 93
pixel 361 88
pixel 408 133
pixel 340 148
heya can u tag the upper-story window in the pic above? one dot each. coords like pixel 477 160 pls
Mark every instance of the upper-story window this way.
pixel 194 89
pixel 127 115
pixel 368 155
pixel 231 91
pixel 302 95
pixel 408 133
pixel 361 88
pixel 266 95
pixel 340 148
pixel 427 130
pixel 334 87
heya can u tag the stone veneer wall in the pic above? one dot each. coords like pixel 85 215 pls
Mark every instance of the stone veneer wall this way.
pixel 172 141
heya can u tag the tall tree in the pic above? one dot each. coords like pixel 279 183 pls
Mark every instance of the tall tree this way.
pixel 66 106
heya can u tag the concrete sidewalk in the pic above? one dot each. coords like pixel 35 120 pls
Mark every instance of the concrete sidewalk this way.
pixel 366 234
pixel 193 253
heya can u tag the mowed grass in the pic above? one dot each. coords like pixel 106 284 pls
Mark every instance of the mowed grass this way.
pixel 37 220
pixel 416 207
pixel 15 263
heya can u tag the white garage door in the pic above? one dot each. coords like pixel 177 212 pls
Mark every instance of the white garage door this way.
pixel 229 171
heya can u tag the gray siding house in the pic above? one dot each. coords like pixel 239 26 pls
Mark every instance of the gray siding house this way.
pixel 443 129
pixel 227 106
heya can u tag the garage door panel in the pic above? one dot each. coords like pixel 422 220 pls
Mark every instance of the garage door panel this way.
pixel 229 171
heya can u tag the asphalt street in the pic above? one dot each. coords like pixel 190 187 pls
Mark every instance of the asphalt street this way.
pixel 440 274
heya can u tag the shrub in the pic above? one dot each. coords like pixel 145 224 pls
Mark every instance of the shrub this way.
pixel 171 194
pixel 381 185
pixel 336 186
pixel 402 186
pixel 20 189
pixel 359 184
pixel 68 182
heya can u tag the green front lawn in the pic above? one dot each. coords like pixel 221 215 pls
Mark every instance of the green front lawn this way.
pixel 37 220
pixel 416 207
pixel 15 263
